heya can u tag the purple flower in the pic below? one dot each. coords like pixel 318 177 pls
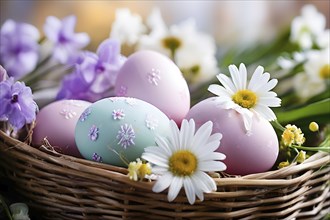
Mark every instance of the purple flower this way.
pixel 19 49
pixel 3 74
pixel 17 105
pixel 95 74
pixel 67 43
pixel 96 157
pixel 93 133
pixel 126 135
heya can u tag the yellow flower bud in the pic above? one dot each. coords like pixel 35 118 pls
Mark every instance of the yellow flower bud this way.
pixel 283 164
pixel 313 126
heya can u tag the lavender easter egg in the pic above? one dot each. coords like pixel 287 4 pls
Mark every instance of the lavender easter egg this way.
pixel 117 129
pixel 245 153
pixel 154 78
pixel 57 122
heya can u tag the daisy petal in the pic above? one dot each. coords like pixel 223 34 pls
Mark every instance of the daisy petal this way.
pixel 227 83
pixel 163 143
pixel 235 75
pixel 202 135
pixel 159 170
pixel 174 138
pixel 198 189
pixel 189 190
pixel 270 101
pixel 215 137
pixel 255 79
pixel 265 112
pixel 268 86
pixel 218 90
pixel 206 182
pixel 163 182
pixel 243 72
pixel 209 166
pixel 157 160
pixel 174 188
pixel 213 156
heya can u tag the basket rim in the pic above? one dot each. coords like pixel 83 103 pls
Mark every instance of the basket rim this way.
pixel 268 178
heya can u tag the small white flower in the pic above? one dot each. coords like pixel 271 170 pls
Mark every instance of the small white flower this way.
pixel 307 28
pixel 182 159
pixel 247 98
pixel 127 27
pixel 192 51
pixel 316 75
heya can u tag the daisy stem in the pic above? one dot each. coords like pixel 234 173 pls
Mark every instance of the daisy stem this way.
pixel 277 125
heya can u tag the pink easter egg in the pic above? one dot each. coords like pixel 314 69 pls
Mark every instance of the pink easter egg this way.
pixel 245 153
pixel 57 122
pixel 154 78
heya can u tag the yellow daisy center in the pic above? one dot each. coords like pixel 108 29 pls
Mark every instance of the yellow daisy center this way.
pixel 245 98
pixel 171 43
pixel 183 163
pixel 325 71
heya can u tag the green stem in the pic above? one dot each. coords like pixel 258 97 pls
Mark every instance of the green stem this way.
pixel 2 202
pixel 325 149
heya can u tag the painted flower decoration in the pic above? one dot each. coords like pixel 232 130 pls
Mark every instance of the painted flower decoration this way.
pixel 66 42
pixel 93 133
pixel 183 159
pixel 17 104
pixel 126 136
pixel 247 98
pixel 19 49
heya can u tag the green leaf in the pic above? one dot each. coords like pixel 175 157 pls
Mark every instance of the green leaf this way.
pixel 321 108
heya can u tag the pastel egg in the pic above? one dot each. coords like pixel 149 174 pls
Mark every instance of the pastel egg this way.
pixel 56 122
pixel 245 153
pixel 117 129
pixel 154 78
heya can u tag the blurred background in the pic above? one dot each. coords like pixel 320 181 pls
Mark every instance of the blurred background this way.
pixel 229 22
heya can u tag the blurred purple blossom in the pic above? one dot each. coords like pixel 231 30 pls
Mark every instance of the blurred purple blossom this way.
pixel 17 104
pixel 67 43
pixel 95 74
pixel 3 74
pixel 19 49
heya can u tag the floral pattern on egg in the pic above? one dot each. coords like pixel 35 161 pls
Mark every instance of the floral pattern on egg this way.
pixel 68 113
pixel 96 157
pixel 122 91
pixel 154 76
pixel 93 133
pixel 118 114
pixel 151 122
pixel 85 114
pixel 126 136
pixel 131 101
pixel 119 124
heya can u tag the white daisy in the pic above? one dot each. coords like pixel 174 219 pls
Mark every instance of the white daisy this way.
pixel 247 98
pixel 127 27
pixel 316 76
pixel 183 158
pixel 193 51
pixel 308 28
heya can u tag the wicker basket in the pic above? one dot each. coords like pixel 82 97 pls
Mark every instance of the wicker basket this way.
pixel 62 187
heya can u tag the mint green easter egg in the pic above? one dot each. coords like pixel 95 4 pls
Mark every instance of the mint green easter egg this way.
pixel 117 129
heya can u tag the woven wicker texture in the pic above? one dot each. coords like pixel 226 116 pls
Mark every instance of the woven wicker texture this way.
pixel 64 187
